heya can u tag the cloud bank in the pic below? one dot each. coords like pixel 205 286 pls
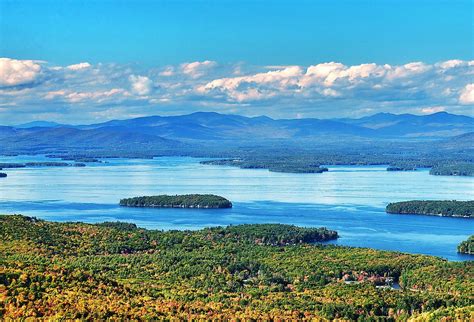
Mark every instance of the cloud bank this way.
pixel 85 92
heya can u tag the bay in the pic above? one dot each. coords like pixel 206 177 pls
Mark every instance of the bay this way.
pixel 349 199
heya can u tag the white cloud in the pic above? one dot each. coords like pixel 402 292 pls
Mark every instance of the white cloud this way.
pixel 79 66
pixel 432 109
pixel 18 72
pixel 330 92
pixel 276 76
pixel 243 88
pixel 407 70
pixel 467 94
pixel 331 88
pixel 78 97
pixel 324 70
pixel 53 94
pixel 451 63
pixel 168 71
pixel 141 85
pixel 197 69
pixel 328 73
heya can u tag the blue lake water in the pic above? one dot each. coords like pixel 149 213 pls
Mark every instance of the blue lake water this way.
pixel 349 199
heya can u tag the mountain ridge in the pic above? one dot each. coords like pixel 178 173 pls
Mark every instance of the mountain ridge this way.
pixel 221 130
pixel 44 123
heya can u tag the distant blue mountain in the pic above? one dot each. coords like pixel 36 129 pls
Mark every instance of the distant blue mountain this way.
pixel 213 126
pixel 441 124
pixel 43 138
pixel 38 124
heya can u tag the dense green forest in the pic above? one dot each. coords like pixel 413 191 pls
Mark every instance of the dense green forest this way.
pixel 455 169
pixel 467 246
pixel 448 208
pixel 178 201
pixel 117 270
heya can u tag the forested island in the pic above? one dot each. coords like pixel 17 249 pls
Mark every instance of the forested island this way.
pixel 3 175
pixel 82 159
pixel 9 165
pixel 275 165
pixel 41 164
pixel 467 246
pixel 178 201
pixel 446 208
pixel 456 169
pixel 401 168
pixel 264 272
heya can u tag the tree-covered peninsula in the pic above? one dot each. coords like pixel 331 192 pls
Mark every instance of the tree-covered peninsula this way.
pixel 447 208
pixel 467 246
pixel 178 201
pixel 119 271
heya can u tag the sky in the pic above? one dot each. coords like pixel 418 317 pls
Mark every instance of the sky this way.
pixel 87 61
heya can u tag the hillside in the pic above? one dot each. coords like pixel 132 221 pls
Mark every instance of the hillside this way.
pixel 118 271
pixel 40 139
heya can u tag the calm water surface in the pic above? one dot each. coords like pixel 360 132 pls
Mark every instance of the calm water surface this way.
pixel 348 199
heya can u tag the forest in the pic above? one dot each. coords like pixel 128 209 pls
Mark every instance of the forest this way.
pixel 447 208
pixel 118 270
pixel 467 246
pixel 178 201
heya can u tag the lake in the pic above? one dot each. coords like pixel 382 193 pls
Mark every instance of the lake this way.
pixel 349 199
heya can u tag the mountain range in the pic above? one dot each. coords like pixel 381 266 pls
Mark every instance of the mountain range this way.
pixel 168 132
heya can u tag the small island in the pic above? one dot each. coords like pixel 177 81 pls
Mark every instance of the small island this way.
pixel 444 208
pixel 206 201
pixel 456 169
pixel 3 175
pixel 467 246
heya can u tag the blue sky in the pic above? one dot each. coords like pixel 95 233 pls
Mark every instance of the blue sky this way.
pixel 132 43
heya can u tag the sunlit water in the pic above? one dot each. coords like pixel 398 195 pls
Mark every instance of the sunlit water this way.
pixel 348 199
